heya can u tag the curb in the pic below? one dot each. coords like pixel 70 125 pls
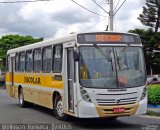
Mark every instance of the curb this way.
pixel 151 117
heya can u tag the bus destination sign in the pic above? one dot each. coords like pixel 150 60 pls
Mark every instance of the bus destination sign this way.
pixel 107 38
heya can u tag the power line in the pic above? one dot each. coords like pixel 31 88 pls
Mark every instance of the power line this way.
pixel 116 5
pixel 94 25
pixel 88 9
pixel 24 1
pixel 120 7
pixel 89 15
pixel 100 6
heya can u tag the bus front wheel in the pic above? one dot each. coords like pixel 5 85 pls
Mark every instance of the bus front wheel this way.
pixel 58 109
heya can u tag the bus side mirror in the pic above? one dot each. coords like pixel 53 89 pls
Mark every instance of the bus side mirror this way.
pixel 76 55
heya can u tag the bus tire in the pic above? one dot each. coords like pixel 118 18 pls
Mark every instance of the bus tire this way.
pixel 22 102
pixel 58 109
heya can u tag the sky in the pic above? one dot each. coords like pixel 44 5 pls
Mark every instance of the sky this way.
pixel 56 18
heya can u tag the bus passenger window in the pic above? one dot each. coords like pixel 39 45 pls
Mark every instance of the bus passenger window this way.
pixel 17 62
pixel 47 58
pixel 57 58
pixel 21 61
pixel 29 61
pixel 37 60
pixel 7 63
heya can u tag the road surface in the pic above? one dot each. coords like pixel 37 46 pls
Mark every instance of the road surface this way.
pixel 12 114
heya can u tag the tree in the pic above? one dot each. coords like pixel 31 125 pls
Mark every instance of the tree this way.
pixel 13 41
pixel 151 14
pixel 150 41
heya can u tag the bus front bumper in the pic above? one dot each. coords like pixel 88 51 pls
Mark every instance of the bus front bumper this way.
pixel 142 108
pixel 91 110
pixel 87 110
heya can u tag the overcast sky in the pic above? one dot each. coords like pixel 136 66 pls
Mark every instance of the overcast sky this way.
pixel 61 17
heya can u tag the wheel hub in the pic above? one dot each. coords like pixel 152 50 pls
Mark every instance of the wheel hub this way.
pixel 59 108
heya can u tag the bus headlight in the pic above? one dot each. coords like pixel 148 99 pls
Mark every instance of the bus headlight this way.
pixel 85 95
pixel 144 93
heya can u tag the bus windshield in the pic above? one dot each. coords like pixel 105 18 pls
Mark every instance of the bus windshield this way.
pixel 111 67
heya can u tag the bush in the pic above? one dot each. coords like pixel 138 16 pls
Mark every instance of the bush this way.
pixel 154 94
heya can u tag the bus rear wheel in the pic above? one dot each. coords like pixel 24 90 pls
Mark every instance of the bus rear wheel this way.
pixel 58 109
pixel 22 102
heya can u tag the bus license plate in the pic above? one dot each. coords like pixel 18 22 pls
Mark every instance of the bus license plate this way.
pixel 118 110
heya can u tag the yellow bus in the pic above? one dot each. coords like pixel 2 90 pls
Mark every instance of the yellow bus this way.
pixel 85 75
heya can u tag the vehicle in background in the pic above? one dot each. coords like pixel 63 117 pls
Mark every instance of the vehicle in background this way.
pixel 153 80
pixel 2 78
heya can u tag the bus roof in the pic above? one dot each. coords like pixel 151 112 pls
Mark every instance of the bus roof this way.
pixel 52 41
pixel 46 42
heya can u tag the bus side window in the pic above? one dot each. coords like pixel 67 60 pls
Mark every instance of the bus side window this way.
pixel 29 61
pixel 57 58
pixel 37 60
pixel 17 63
pixel 47 59
pixel 7 63
pixel 21 61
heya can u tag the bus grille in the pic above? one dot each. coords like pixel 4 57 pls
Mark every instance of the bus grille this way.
pixel 118 100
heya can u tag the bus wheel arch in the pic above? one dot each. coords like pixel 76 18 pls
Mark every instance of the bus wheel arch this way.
pixel 58 106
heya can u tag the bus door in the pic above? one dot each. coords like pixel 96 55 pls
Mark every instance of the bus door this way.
pixel 11 71
pixel 70 89
pixel 70 77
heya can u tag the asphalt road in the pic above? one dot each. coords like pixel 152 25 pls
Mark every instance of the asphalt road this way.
pixel 11 113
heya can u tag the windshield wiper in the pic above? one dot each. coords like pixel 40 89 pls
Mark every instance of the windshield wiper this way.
pixel 123 51
pixel 103 52
pixel 106 55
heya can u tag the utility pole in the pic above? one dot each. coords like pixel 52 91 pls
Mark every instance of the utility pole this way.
pixel 111 14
